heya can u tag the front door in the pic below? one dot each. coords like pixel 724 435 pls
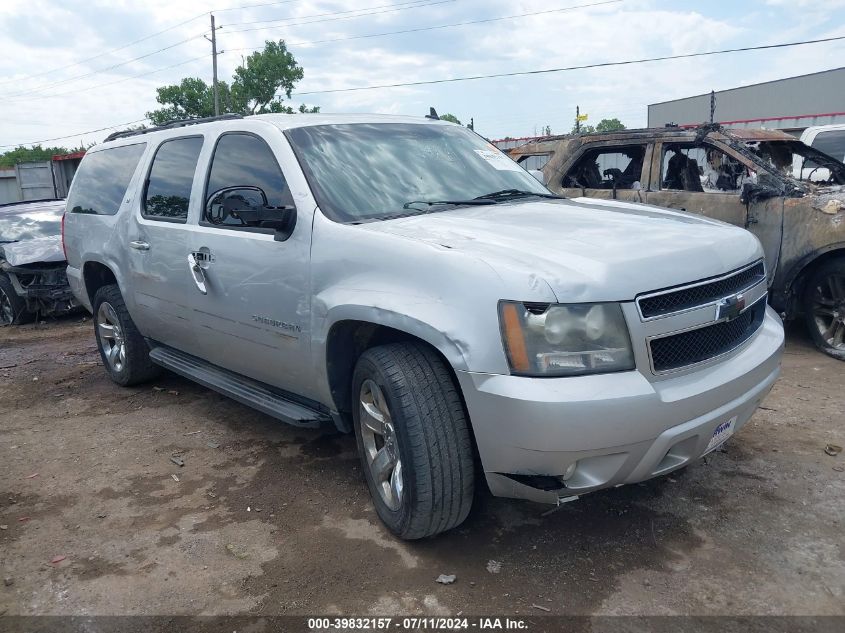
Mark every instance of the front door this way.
pixel 158 244
pixel 250 294
pixel 611 172
pixel 707 179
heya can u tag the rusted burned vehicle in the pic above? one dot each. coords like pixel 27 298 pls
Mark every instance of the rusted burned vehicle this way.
pixel 790 195
pixel 32 263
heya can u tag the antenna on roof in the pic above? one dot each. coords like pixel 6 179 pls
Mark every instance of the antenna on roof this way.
pixel 432 114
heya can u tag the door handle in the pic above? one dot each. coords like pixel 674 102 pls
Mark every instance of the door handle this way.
pixel 140 245
pixel 197 273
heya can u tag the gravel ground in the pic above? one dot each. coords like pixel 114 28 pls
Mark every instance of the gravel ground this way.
pixel 268 519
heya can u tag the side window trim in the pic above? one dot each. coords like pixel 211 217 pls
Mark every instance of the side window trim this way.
pixel 149 171
pixel 207 181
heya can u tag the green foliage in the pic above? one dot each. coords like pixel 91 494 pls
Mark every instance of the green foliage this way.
pixel 609 125
pixel 35 153
pixel 450 117
pixel 254 89
pixel 605 125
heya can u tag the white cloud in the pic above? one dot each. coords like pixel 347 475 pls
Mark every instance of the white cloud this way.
pixel 39 35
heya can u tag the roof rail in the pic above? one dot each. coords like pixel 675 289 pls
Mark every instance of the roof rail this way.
pixel 167 125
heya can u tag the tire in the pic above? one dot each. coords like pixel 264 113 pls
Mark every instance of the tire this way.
pixel 425 430
pixel 824 308
pixel 125 353
pixel 12 307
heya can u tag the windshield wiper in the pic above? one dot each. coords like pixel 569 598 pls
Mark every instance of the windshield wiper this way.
pixel 504 194
pixel 431 203
pixel 8 241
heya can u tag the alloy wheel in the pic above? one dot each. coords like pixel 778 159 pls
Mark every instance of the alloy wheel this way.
pixel 111 337
pixel 380 444
pixel 829 310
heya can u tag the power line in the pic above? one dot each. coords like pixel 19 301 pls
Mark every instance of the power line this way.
pixel 98 55
pixel 110 83
pixel 102 70
pixel 61 138
pixel 569 68
pixel 320 15
pixel 338 16
pixel 440 26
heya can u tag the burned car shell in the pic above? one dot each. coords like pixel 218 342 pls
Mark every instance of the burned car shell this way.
pixel 800 224
pixel 32 262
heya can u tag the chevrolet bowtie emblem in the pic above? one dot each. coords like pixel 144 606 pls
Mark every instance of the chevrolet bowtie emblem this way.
pixel 730 308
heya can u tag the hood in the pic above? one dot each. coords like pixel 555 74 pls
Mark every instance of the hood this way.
pixel 34 251
pixel 587 249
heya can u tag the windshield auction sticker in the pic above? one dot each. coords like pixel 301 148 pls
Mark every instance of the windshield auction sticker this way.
pixel 498 160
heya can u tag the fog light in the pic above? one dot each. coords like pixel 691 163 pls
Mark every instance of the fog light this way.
pixel 570 470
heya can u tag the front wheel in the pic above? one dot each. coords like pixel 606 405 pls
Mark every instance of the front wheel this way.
pixel 824 308
pixel 413 439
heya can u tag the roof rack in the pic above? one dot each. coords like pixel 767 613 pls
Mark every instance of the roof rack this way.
pixel 168 125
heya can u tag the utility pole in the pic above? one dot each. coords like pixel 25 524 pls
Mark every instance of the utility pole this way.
pixel 712 105
pixel 214 55
pixel 577 119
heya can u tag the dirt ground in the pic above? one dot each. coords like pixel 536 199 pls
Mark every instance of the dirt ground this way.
pixel 268 519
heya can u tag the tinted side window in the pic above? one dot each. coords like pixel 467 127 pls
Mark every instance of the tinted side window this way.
pixel 171 178
pixel 608 168
pixel 102 179
pixel 243 160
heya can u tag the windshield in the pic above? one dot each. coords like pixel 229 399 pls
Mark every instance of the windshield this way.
pixel 831 143
pixel 16 226
pixel 365 171
pixel 800 161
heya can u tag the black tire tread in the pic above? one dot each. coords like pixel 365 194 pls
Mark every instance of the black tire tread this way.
pixel 21 315
pixel 138 367
pixel 436 430
pixel 838 265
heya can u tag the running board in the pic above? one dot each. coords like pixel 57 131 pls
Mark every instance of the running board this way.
pixel 245 390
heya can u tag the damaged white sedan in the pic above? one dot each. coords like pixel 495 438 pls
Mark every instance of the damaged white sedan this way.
pixel 32 263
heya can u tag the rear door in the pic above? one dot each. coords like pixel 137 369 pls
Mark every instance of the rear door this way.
pixel 250 300
pixel 157 244
pixel 616 170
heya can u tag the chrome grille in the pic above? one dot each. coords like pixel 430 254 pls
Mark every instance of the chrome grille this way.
pixel 670 301
pixel 695 346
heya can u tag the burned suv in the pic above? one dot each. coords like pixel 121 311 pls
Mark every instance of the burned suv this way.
pixel 32 265
pixel 402 279
pixel 790 195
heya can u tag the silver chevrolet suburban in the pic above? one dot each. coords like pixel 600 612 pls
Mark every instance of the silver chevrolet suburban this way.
pixel 402 279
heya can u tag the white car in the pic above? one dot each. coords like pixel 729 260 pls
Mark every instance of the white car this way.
pixel 829 139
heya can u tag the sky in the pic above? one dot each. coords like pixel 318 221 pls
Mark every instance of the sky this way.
pixel 61 75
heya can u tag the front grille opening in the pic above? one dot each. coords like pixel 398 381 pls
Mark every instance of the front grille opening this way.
pixel 695 346
pixel 691 297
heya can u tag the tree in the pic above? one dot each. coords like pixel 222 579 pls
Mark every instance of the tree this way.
pixel 35 153
pixel 605 125
pixel 450 117
pixel 609 125
pixel 254 89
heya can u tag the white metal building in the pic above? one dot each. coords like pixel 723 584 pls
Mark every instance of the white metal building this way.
pixel 791 104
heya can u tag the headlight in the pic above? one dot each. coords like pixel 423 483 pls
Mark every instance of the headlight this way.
pixel 565 340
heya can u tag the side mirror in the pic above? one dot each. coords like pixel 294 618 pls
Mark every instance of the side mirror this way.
pixel 539 175
pixel 761 190
pixel 248 206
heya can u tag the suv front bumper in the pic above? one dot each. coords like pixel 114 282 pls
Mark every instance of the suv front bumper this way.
pixel 617 428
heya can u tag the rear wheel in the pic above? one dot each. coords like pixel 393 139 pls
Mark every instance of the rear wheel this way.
pixel 413 439
pixel 824 308
pixel 125 353
pixel 12 307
